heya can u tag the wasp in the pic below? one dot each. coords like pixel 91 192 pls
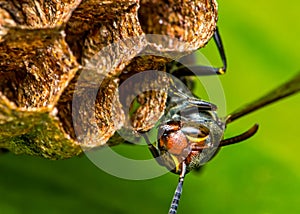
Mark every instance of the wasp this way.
pixel 191 133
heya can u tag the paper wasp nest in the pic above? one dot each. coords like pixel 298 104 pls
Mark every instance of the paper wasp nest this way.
pixel 47 49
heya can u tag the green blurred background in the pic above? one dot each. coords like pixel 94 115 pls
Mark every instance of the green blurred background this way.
pixel 261 175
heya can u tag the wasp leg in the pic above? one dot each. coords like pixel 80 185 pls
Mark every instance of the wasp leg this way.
pixel 220 47
pixel 151 147
pixel 239 138
pixel 187 107
pixel 155 153
pixel 182 101
pixel 199 70
pixel 207 106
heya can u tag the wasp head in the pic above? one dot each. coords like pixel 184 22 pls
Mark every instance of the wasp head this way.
pixel 185 141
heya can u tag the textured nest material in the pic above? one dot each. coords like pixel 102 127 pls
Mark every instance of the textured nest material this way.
pixel 62 65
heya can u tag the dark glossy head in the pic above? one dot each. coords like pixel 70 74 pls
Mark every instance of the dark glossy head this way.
pixel 193 139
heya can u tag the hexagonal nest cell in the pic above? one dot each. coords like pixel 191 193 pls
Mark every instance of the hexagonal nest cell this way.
pixel 62 64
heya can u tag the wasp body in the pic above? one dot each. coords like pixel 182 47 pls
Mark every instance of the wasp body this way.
pixel 191 132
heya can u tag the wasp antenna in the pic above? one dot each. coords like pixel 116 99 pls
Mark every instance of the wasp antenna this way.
pixel 239 138
pixel 178 191
pixel 287 89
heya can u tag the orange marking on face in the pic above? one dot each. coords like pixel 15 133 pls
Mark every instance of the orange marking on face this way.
pixel 174 142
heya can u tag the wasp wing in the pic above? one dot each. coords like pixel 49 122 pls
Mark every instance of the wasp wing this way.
pixel 285 90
